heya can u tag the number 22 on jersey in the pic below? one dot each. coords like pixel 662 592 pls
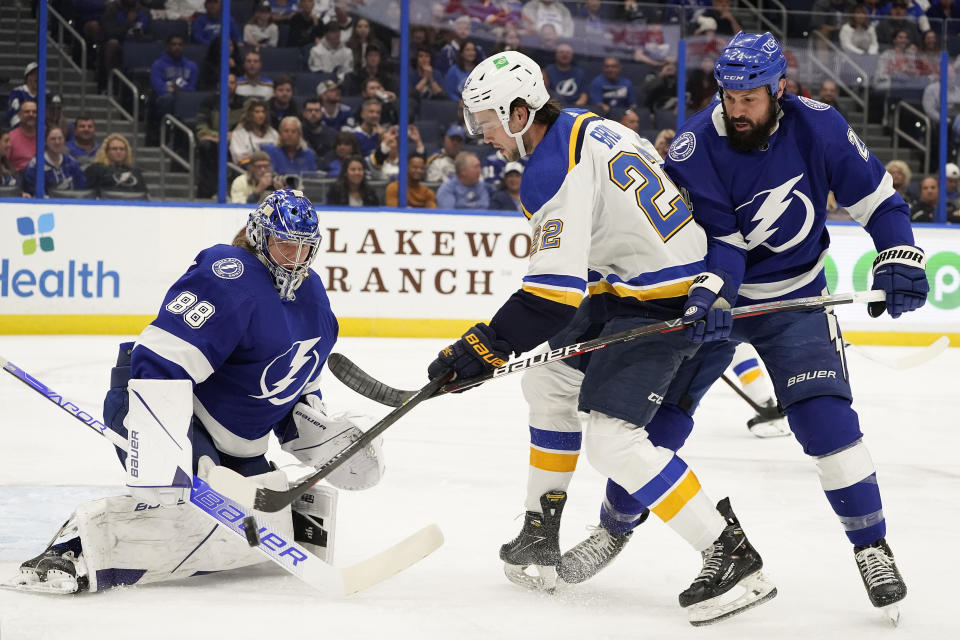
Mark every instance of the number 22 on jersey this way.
pixel 666 217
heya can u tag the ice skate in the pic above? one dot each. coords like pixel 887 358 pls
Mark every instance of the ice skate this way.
pixel 588 557
pixel 53 571
pixel 769 423
pixel 883 582
pixel 731 580
pixel 537 546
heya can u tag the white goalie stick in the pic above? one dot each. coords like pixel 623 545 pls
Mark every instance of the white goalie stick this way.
pixel 226 510
pixel 921 356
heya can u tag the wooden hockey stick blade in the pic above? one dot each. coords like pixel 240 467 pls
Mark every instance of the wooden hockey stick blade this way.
pixel 920 356
pixel 270 500
pixel 392 561
pixel 363 383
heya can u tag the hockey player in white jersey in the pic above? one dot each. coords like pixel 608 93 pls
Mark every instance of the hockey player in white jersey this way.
pixel 234 354
pixel 614 247
pixel 758 166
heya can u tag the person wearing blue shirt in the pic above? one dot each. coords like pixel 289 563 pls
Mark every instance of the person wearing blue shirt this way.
pixel 333 113
pixel 170 74
pixel 457 74
pixel 207 25
pixel 291 156
pixel 465 189
pixel 508 198
pixel 368 131
pixel 60 171
pixel 22 93
pixel 83 146
pixel 567 82
pixel 609 90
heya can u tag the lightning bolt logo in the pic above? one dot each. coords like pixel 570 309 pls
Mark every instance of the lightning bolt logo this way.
pixel 300 359
pixel 775 202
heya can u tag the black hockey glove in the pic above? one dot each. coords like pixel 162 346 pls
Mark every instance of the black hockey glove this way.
pixel 476 352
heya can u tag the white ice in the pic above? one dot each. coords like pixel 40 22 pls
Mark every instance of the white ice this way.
pixel 461 461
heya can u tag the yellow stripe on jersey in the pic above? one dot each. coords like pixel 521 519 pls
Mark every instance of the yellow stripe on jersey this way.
pixel 750 376
pixel 525 212
pixel 574 134
pixel 572 298
pixel 681 494
pixel 550 461
pixel 672 290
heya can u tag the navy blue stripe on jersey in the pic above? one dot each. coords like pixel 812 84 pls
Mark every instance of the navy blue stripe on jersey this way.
pixel 526 320
pixel 564 289
pixel 544 176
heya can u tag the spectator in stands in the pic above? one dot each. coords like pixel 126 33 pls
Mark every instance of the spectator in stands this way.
pixel 441 165
pixel 609 90
pixel 928 55
pixel 340 19
pixel 207 25
pixel 251 84
pixel 23 139
pixel 26 91
pixel 916 12
pixel 122 20
pixel 897 66
pixel 566 82
pixel 888 28
pixel 291 155
pixel 828 16
pixel 900 173
pixel 507 198
pixel 424 79
pixel 334 113
pixel 113 169
pixel 316 134
pixel 254 130
pixel 257 183
pixel 60 171
pixel 663 141
pixel 660 89
pixel 457 74
pixel 260 31
pixel 282 104
pixel 344 146
pixel 210 68
pixel 591 23
pixel 726 23
pixel 418 194
pixel 55 116
pixel 351 188
pixel 701 86
pixel 931 97
pixel 448 55
pixel 829 92
pixel 797 89
pixel 536 13
pixel 925 208
pixel 330 55
pixel 305 26
pixel 170 74
pixel 631 120
pixel 8 175
pixel 952 172
pixel 282 10
pixel 83 146
pixel 858 35
pixel 465 189
pixel 385 160
pixel 208 136
pixel 177 10
pixel 944 14
pixel 369 130
pixel 373 69
pixel 361 38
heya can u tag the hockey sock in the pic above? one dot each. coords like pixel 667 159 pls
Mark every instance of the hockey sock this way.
pixel 620 511
pixel 752 378
pixel 553 459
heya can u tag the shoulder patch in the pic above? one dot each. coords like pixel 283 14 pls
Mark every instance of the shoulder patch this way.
pixel 816 105
pixel 228 268
pixel 683 146
pixel 858 144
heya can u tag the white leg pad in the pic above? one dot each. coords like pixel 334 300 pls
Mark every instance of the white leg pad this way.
pixel 623 452
pixel 314 521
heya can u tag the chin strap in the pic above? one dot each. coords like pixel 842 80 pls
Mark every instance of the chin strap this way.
pixel 521 148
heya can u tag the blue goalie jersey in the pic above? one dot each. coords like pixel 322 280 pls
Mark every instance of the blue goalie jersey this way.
pixel 250 355
pixel 766 211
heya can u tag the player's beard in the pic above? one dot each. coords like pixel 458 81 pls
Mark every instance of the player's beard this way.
pixel 756 136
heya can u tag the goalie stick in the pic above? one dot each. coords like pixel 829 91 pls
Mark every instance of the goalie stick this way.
pixel 230 513
pixel 366 385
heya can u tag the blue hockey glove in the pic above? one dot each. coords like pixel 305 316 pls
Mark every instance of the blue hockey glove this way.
pixel 707 315
pixel 901 273
pixel 476 352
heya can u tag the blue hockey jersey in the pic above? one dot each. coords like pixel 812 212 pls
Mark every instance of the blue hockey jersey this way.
pixel 766 211
pixel 250 356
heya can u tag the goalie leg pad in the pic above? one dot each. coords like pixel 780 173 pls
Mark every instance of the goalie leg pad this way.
pixel 314 521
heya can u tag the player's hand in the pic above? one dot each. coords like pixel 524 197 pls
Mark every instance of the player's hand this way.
pixel 901 273
pixel 476 352
pixel 707 315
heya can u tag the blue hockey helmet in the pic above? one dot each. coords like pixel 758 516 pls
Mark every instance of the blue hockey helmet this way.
pixel 286 215
pixel 751 60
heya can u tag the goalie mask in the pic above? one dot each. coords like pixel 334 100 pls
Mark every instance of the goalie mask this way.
pixel 285 235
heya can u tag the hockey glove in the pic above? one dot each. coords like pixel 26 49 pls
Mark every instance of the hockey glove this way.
pixel 901 273
pixel 707 315
pixel 476 352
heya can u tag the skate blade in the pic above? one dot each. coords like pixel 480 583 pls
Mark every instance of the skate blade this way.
pixel 753 590
pixel 54 585
pixel 772 429
pixel 544 578
pixel 892 613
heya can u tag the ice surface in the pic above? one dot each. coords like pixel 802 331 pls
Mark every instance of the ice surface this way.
pixel 461 461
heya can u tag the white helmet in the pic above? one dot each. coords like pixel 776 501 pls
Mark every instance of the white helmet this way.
pixel 495 83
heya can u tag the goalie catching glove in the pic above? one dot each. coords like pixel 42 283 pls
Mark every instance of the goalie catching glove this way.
pixel 476 352
pixel 901 273
pixel 315 437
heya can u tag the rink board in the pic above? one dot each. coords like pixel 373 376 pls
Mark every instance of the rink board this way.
pixel 104 268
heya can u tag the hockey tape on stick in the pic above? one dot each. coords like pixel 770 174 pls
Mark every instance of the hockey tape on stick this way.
pixel 358 380
pixel 231 513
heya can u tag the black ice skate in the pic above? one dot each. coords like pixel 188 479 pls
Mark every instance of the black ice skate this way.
pixel 770 422
pixel 53 571
pixel 588 557
pixel 881 578
pixel 731 580
pixel 537 546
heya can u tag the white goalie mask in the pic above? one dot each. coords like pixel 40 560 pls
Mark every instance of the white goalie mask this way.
pixel 495 83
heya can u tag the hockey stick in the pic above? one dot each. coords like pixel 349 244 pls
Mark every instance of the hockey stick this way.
pixel 363 383
pixel 767 413
pixel 289 555
pixel 915 359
